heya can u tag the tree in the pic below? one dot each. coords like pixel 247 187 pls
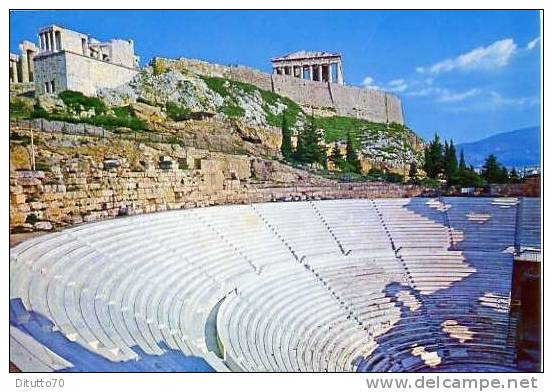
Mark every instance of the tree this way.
pixel 451 166
pixel 352 156
pixel 493 172
pixel 336 156
pixel 412 170
pixel 467 177
pixel 462 164
pixel 310 149
pixel 433 157
pixel 286 146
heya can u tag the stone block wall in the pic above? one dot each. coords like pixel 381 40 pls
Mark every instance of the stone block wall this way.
pixel 72 71
pixel 304 92
pixel 87 74
pixel 368 104
pixel 50 68
pixel 91 178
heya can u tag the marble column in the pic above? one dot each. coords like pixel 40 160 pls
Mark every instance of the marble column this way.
pixel 339 77
pixel 24 67
pixel 329 73
pixel 15 76
pixel 319 72
pixel 53 41
pixel 311 72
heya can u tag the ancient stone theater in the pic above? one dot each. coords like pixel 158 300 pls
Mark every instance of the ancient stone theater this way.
pixel 119 267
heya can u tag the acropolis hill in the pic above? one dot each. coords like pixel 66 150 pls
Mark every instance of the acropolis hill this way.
pixel 111 138
pixel 68 60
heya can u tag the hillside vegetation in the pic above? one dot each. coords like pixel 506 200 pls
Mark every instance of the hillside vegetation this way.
pixel 165 99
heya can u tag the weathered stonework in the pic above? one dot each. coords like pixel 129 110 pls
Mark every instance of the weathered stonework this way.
pixel 72 71
pixel 67 59
pixel 90 179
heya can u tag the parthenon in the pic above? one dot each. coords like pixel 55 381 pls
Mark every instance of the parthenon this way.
pixel 316 66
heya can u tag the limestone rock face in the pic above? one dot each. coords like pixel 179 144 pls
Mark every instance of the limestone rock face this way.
pixel 148 113
pixel 43 226
pixel 90 179
pixel 51 103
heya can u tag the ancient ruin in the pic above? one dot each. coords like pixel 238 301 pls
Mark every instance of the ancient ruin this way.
pixel 21 66
pixel 316 66
pixel 69 60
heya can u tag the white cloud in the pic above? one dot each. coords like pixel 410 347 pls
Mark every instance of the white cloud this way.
pixel 448 96
pixel 444 95
pixel 397 85
pixel 424 92
pixel 495 101
pixel 396 82
pixel 498 100
pixel 532 44
pixel 368 82
pixel 489 57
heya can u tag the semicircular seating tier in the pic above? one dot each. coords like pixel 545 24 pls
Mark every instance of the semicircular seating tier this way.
pixel 342 285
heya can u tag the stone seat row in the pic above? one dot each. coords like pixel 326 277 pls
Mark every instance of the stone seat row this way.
pixel 304 286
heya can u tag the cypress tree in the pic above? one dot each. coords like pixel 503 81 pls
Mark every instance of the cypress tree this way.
pixel 351 154
pixel 434 157
pixel 286 146
pixel 492 171
pixel 462 164
pixel 309 148
pixel 451 166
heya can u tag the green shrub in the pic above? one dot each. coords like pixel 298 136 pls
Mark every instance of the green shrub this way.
pixel 42 166
pixel 110 122
pixel 20 109
pixel 123 116
pixel 218 85
pixel 233 110
pixel 291 112
pixel 177 112
pixel 31 219
pixel 77 101
pixel 159 67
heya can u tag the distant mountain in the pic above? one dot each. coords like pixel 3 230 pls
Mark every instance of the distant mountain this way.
pixel 515 148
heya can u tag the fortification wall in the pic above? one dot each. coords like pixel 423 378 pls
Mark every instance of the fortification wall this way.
pixel 394 109
pixel 251 76
pixel 72 71
pixel 304 92
pixel 368 104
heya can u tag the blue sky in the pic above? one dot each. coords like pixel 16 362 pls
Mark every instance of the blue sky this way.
pixel 463 74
